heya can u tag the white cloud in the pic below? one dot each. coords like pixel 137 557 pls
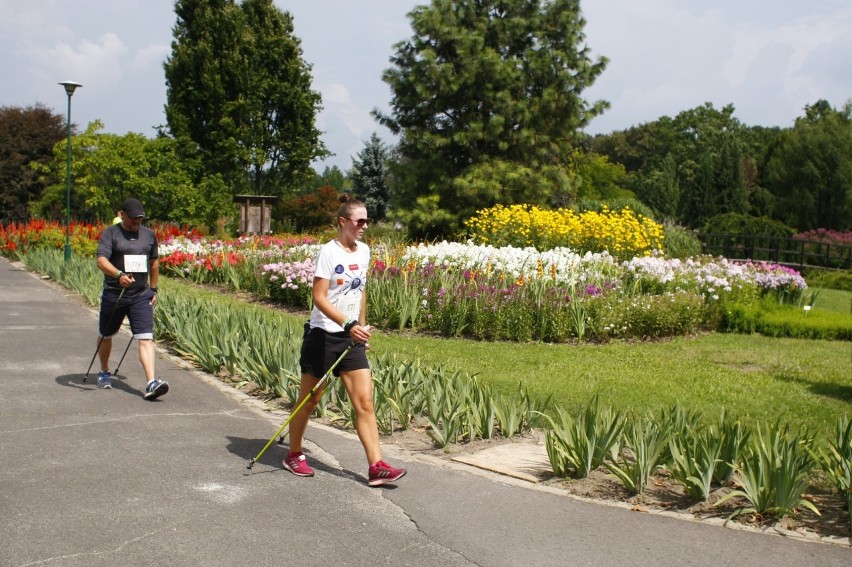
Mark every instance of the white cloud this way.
pixel 667 57
pixel 152 55
pixel 339 109
pixel 802 39
pixel 336 93
pixel 96 63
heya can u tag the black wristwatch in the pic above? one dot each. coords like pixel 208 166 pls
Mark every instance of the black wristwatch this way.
pixel 154 289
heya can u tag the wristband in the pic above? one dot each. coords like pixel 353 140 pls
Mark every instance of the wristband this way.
pixel 348 324
pixel 154 290
pixel 118 274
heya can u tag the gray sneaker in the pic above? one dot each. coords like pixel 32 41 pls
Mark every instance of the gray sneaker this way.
pixel 104 380
pixel 155 389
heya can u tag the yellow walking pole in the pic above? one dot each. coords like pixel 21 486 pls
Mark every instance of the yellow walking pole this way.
pixel 313 391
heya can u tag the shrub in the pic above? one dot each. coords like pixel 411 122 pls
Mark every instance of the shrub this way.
pixel 739 223
pixel 829 279
pixel 774 472
pixel 577 446
pixel 773 320
pixel 836 460
pixel 645 443
pixel 647 316
pixel 694 457
pixel 312 211
pixel 680 242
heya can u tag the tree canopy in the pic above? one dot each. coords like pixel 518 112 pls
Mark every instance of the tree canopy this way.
pixel 809 170
pixel 690 168
pixel 482 88
pixel 239 94
pixel 27 137
pixel 108 168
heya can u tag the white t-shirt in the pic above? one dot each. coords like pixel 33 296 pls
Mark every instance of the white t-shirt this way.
pixel 346 273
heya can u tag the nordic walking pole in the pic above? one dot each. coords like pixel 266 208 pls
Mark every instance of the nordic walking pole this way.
pixel 111 315
pixel 115 372
pixel 313 391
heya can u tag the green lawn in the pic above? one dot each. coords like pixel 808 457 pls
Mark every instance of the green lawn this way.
pixel 833 300
pixel 799 381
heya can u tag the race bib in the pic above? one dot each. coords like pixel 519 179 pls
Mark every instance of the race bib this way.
pixel 135 263
pixel 350 305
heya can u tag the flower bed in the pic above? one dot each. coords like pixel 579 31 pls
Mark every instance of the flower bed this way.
pixel 480 291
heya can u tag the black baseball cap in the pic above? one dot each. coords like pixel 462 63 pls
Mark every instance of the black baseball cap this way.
pixel 133 208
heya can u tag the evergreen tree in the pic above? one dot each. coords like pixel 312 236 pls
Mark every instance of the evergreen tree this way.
pixel 369 178
pixel 482 88
pixel 693 166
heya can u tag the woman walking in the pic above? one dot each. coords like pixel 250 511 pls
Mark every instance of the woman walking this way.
pixel 338 319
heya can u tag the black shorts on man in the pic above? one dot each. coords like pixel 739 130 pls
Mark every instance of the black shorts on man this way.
pixel 138 308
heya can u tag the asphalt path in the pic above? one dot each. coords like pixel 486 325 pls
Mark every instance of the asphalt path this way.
pixel 102 477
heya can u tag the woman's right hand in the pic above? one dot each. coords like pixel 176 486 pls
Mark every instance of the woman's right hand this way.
pixel 360 334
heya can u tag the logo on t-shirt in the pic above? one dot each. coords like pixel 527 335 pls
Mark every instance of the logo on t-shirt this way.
pixel 338 269
pixel 353 266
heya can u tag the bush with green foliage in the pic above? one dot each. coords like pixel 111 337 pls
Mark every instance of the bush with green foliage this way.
pixel 680 242
pixel 828 279
pixel 740 223
pixel 774 472
pixel 772 319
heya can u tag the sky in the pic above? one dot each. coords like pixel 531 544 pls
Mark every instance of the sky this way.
pixel 769 58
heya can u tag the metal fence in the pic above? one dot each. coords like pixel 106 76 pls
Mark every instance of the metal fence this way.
pixel 791 252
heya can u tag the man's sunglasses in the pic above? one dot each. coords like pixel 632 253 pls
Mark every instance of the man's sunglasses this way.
pixel 359 222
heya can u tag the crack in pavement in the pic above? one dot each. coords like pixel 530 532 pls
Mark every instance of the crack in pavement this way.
pixel 106 552
pixel 428 538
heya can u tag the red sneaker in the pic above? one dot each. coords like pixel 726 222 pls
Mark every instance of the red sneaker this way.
pixel 297 464
pixel 382 473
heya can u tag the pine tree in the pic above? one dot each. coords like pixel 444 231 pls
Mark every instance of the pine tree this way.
pixel 369 178
pixel 484 88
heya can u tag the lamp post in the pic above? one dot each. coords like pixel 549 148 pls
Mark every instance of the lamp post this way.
pixel 70 86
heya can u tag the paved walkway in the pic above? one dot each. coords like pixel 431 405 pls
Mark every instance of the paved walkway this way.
pixel 101 477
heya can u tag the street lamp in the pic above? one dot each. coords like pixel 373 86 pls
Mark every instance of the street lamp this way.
pixel 70 86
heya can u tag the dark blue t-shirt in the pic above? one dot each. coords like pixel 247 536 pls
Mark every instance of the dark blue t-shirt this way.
pixel 117 244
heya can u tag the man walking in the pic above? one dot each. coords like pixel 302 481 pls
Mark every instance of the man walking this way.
pixel 129 258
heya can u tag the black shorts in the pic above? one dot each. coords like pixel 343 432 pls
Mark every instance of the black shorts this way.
pixel 137 308
pixel 320 349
